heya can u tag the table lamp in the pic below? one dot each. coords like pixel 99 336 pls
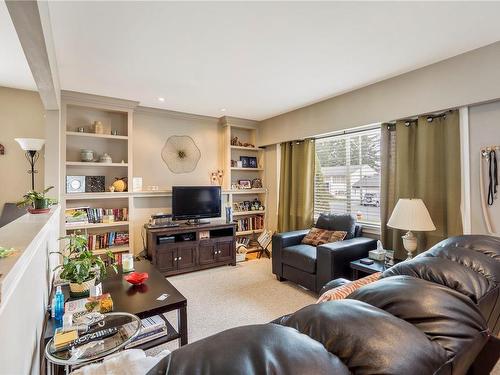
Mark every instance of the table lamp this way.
pixel 31 146
pixel 411 215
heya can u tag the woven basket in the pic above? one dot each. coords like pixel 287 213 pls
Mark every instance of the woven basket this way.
pixel 81 290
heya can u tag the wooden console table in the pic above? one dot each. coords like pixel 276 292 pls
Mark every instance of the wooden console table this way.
pixel 189 248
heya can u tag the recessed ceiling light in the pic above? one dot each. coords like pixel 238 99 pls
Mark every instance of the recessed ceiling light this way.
pixel 160 99
pixel 223 109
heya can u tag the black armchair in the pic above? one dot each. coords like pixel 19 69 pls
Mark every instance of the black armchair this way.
pixel 313 267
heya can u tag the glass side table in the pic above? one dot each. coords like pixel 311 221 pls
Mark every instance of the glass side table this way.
pixel 128 327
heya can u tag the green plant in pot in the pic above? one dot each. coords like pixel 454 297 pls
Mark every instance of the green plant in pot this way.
pixel 80 266
pixel 37 202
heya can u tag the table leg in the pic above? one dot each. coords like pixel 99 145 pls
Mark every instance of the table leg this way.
pixel 355 274
pixel 182 325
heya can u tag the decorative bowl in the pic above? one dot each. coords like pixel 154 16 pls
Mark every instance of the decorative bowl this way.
pixel 136 278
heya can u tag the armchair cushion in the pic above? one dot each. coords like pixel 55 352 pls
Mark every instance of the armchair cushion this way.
pixel 345 223
pixel 300 256
pixel 318 236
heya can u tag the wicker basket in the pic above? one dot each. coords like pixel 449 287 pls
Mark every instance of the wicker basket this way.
pixel 81 290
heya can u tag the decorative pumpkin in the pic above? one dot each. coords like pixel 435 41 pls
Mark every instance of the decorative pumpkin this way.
pixel 120 184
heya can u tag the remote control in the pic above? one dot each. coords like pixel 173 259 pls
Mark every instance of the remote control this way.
pixel 98 335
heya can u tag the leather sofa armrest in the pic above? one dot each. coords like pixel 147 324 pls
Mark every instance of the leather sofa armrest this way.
pixel 333 258
pixel 333 284
pixel 282 240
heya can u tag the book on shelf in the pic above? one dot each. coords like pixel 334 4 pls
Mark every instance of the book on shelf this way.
pixel 152 328
pixel 106 240
pixel 250 223
pixel 76 216
pixel 91 215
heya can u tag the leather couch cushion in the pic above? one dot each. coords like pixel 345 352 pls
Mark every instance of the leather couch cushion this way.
pixel 446 316
pixel 367 339
pixel 345 223
pixel 254 349
pixel 300 256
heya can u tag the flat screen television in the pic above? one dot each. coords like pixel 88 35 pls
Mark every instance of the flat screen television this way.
pixel 196 202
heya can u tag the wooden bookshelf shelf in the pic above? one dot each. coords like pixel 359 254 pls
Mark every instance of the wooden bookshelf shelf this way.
pixel 246 148
pixel 103 195
pixel 93 135
pixel 96 225
pixel 113 249
pixel 249 232
pixel 246 169
pixel 248 213
pixel 95 164
pixel 247 191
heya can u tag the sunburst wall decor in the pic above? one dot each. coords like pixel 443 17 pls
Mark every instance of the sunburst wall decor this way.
pixel 180 154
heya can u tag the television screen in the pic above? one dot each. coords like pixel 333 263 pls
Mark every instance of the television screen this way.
pixel 196 202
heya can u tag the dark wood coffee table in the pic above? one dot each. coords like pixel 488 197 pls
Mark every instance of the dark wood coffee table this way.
pixel 141 300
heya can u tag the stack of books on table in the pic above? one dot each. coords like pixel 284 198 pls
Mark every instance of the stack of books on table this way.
pixel 151 328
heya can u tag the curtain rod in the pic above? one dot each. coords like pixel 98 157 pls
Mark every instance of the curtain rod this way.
pixel 348 131
pixel 430 117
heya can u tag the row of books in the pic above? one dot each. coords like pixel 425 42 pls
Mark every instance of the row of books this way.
pixel 250 223
pixel 151 328
pixel 86 215
pixel 105 240
pixel 117 258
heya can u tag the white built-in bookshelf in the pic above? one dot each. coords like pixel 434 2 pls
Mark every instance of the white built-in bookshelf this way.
pixel 81 111
pixel 246 132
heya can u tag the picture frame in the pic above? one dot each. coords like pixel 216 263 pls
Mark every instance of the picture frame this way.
pixel 256 183
pixel 245 162
pixel 245 184
pixel 252 162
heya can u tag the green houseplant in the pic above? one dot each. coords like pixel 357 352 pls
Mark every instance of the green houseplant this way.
pixel 37 201
pixel 80 266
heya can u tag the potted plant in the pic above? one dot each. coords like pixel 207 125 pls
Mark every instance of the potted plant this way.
pixel 80 266
pixel 37 202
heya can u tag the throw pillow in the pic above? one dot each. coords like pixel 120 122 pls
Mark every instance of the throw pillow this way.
pixel 343 291
pixel 317 237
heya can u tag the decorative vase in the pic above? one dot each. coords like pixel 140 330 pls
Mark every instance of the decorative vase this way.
pixel 98 127
pixel 81 290
pixel 105 158
pixel 87 155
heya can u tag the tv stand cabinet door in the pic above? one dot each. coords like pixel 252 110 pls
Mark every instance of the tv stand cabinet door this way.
pixel 165 259
pixel 186 257
pixel 225 251
pixel 207 255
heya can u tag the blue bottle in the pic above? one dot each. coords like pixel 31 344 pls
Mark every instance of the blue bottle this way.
pixel 59 304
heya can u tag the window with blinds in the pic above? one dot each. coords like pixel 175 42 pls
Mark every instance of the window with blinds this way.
pixel 347 175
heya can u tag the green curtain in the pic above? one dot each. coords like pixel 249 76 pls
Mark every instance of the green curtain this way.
pixel 296 193
pixel 422 160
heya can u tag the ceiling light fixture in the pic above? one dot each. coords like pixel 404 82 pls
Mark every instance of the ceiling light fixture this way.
pixel 160 99
pixel 223 109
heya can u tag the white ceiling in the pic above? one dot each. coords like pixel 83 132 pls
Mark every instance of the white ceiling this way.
pixel 256 59
pixel 14 69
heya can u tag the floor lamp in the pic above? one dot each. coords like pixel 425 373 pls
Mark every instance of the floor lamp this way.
pixel 31 146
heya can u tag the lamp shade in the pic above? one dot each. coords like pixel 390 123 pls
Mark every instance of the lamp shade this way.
pixel 411 214
pixel 30 144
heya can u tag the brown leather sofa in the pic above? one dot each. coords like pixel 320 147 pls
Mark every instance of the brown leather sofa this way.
pixel 436 314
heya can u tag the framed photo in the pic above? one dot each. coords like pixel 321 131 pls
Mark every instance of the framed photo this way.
pixel 256 183
pixel 245 162
pixel 252 162
pixel 245 184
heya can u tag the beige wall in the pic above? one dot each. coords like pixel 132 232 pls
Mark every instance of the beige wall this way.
pixel 21 116
pixel 151 130
pixel 470 78
pixel 484 130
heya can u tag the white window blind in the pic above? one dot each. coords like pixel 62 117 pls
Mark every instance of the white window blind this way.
pixel 347 175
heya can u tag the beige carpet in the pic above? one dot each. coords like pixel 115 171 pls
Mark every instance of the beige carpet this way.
pixel 226 297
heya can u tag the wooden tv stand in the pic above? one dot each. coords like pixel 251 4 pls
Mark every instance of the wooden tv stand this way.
pixel 185 248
